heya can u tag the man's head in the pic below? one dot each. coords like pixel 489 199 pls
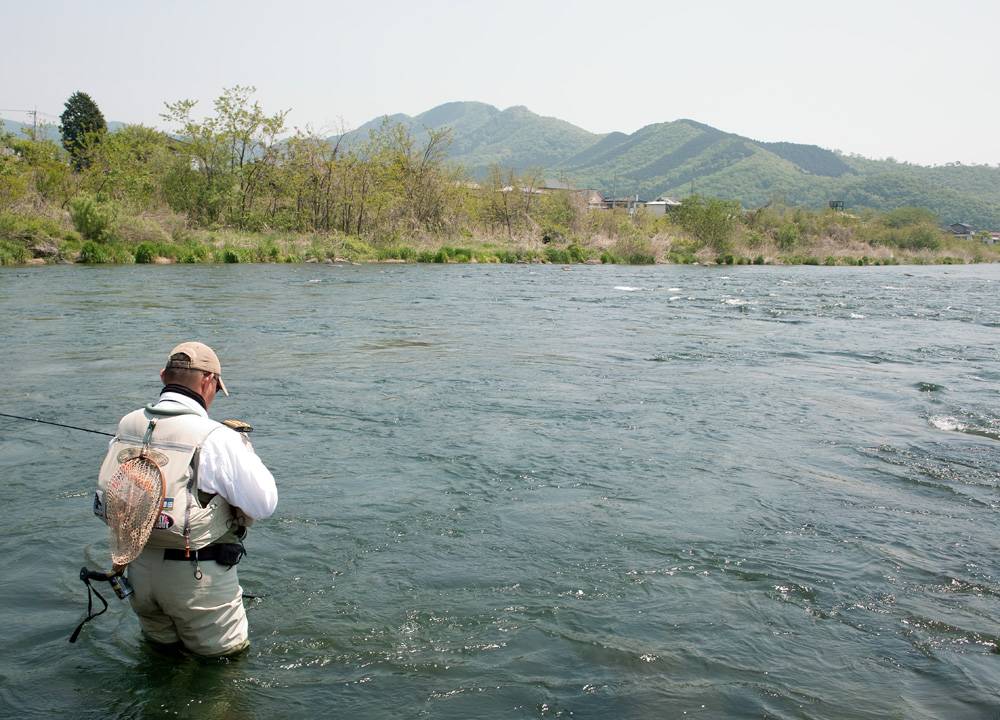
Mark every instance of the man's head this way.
pixel 194 365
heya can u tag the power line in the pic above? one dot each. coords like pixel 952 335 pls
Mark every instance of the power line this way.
pixel 34 119
pixel 29 112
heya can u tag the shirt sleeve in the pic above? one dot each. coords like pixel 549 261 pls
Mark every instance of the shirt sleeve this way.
pixel 229 468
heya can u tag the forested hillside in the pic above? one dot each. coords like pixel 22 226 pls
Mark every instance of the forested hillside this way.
pixel 685 157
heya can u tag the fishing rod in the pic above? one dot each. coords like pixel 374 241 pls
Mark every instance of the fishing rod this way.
pixel 240 427
pixel 63 425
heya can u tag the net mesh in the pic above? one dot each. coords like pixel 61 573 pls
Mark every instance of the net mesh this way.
pixel 132 504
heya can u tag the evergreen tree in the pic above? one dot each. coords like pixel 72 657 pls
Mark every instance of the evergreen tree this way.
pixel 82 125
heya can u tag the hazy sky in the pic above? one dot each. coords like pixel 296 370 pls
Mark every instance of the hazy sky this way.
pixel 915 80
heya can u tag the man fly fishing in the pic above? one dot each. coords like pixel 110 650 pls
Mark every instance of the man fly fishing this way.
pixel 186 590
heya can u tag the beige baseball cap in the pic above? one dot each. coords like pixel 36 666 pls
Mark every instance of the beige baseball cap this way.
pixel 197 356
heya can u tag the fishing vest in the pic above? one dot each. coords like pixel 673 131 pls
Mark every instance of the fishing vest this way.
pixel 189 517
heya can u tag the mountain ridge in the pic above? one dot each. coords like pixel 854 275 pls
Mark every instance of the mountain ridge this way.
pixel 683 157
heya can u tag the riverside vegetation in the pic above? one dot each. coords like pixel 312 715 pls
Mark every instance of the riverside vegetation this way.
pixel 234 188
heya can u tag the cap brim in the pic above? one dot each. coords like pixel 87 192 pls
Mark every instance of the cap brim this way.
pixel 222 386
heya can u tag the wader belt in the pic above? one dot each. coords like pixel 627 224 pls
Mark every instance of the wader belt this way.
pixel 211 552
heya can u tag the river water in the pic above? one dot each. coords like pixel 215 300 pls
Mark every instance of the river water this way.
pixel 532 492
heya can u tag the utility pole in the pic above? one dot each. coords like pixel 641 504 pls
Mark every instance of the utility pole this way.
pixel 34 120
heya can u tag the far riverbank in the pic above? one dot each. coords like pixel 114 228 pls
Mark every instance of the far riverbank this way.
pixel 662 248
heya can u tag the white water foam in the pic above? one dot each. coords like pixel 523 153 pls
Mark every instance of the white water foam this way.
pixel 946 422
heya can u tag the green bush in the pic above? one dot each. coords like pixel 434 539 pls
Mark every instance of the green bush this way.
pixel 396 252
pixel 15 225
pixel 12 253
pixel 192 252
pixel 264 250
pixel 711 220
pixel 354 248
pixel 148 252
pixel 449 254
pixel 145 253
pixel 786 237
pixel 915 237
pixel 94 253
pixel 92 220
pixel 557 256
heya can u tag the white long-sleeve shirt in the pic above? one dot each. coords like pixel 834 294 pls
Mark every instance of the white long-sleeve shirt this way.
pixel 229 468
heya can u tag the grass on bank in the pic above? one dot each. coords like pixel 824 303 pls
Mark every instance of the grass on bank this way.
pixel 85 235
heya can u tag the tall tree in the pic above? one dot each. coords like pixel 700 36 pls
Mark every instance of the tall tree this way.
pixel 508 196
pixel 82 127
pixel 234 151
pixel 310 180
pixel 412 176
pixel 128 166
